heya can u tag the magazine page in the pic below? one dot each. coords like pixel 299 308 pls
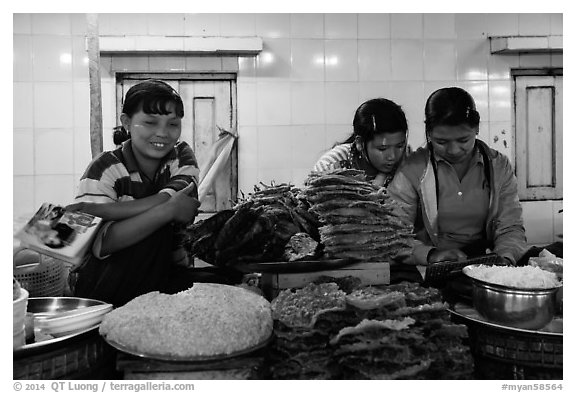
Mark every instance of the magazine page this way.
pixel 59 233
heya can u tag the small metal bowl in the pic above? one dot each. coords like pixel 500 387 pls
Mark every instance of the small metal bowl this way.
pixel 531 308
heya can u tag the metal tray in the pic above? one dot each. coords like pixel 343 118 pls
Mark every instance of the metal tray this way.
pixel 188 359
pixel 295 266
pixel 53 305
pixel 553 329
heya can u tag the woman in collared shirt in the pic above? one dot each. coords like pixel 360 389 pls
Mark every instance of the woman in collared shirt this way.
pixel 460 194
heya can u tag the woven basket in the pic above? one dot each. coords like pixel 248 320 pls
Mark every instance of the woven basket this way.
pixel 40 275
pixel 530 350
pixel 504 353
pixel 85 357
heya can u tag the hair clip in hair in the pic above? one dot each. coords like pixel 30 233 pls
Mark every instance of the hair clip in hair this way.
pixel 467 112
pixel 374 122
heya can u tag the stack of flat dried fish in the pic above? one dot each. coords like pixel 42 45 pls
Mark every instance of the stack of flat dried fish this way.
pixel 360 221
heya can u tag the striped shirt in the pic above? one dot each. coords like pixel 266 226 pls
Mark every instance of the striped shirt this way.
pixel 340 156
pixel 114 176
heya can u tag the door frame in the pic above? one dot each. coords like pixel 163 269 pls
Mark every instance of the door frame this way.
pixel 530 72
pixel 554 71
pixel 188 76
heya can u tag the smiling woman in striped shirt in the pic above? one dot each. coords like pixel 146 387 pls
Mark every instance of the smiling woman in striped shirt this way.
pixel 146 191
pixel 377 145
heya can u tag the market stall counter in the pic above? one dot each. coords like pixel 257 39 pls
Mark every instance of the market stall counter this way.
pixel 329 329
pixel 332 328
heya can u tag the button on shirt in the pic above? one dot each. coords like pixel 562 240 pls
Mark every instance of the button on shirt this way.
pixel 462 204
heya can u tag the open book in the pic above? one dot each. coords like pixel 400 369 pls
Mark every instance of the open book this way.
pixel 59 233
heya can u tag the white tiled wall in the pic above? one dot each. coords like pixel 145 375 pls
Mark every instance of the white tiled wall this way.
pixel 543 221
pixel 295 100
pixel 50 77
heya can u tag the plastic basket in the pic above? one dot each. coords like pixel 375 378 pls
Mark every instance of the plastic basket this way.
pixel 40 275
pixel 19 338
pixel 438 273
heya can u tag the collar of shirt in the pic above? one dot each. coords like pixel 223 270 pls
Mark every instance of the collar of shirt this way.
pixel 477 157
pixel 128 154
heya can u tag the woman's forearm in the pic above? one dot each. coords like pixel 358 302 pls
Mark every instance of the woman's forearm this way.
pixel 125 233
pixel 117 211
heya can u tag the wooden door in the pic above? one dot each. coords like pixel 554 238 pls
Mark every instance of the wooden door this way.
pixel 209 103
pixel 539 135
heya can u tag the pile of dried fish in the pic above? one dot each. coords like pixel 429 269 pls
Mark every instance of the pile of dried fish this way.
pixel 400 331
pixel 255 230
pixel 360 221
pixel 348 216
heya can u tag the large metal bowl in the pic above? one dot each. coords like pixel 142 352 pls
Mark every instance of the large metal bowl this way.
pixel 531 308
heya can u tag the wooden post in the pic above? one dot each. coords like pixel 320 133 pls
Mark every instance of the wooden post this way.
pixel 93 47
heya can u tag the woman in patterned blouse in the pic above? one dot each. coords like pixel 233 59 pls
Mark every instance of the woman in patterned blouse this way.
pixel 377 146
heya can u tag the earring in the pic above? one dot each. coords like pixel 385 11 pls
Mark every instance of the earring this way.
pixel 358 144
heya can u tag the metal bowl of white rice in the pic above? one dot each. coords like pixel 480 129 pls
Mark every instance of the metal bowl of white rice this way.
pixel 520 297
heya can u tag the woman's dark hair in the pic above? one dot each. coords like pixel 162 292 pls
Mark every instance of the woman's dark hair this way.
pixel 450 106
pixel 377 116
pixel 153 97
pixel 120 135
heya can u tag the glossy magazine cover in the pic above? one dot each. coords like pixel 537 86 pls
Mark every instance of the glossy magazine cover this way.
pixel 59 233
